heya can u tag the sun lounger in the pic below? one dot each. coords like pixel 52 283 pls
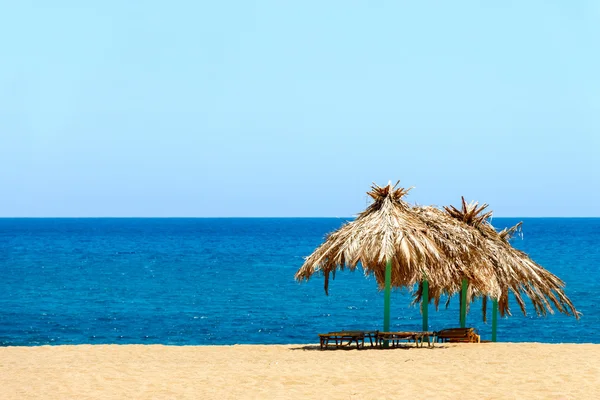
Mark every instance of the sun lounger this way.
pixel 394 338
pixel 345 339
pixel 458 335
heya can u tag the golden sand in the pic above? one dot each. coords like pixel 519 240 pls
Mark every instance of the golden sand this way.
pixel 465 371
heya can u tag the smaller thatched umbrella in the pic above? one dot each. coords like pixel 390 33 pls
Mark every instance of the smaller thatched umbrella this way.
pixel 515 271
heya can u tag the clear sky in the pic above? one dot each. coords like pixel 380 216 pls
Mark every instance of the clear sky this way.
pixel 293 108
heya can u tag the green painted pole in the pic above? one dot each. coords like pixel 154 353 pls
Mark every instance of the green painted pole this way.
pixel 463 303
pixel 386 299
pixel 494 319
pixel 425 305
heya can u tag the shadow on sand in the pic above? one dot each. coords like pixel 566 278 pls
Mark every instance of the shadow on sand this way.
pixel 316 347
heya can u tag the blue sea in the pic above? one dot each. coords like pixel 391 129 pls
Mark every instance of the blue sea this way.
pixel 226 281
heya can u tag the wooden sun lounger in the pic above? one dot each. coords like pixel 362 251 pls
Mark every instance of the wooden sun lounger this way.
pixel 394 338
pixel 458 335
pixel 345 339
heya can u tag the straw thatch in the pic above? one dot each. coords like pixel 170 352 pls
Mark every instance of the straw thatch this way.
pixel 515 271
pixel 420 243
pixel 441 246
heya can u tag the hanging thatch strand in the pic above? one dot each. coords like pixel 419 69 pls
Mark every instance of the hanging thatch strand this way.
pixel 515 271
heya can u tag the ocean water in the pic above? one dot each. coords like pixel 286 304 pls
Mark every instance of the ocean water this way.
pixel 226 281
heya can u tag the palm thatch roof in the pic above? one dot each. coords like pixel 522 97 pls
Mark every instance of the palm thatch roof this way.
pixel 515 271
pixel 420 243
pixel 441 246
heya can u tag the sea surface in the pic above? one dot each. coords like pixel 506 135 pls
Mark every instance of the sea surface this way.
pixel 226 281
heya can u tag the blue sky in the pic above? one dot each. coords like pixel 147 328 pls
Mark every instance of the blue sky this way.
pixel 276 108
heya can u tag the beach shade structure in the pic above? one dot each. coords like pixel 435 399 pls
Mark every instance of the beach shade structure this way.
pixel 515 271
pixel 391 241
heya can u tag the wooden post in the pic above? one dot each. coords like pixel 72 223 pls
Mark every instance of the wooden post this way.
pixel 386 299
pixel 494 318
pixel 425 305
pixel 463 303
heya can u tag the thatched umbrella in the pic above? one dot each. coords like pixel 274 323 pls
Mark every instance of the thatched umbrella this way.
pixel 465 250
pixel 401 247
pixel 515 271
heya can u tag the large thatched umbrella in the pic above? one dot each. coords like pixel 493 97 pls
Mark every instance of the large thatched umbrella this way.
pixel 515 271
pixel 402 247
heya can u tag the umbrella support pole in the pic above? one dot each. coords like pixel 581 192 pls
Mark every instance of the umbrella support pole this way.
pixel 386 300
pixel 494 319
pixel 463 303
pixel 425 305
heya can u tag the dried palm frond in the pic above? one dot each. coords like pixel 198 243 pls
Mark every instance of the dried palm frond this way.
pixel 508 233
pixel 471 214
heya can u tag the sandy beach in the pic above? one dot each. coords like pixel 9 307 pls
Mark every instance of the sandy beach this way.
pixel 467 371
